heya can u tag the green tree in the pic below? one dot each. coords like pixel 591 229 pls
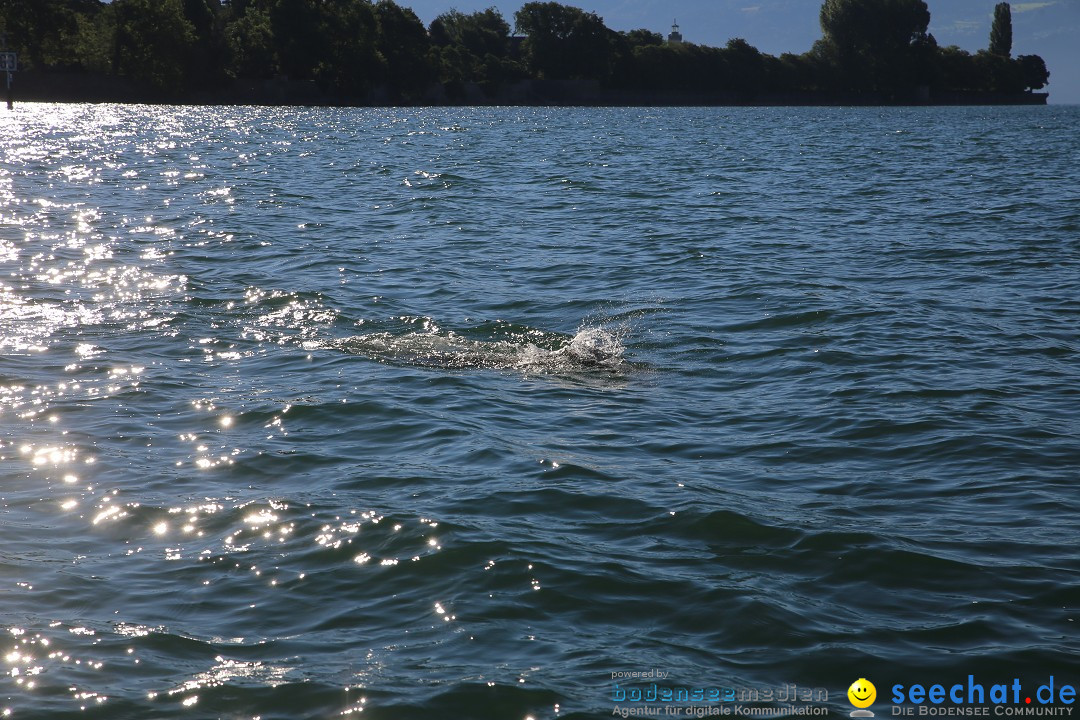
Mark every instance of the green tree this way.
pixel 209 60
pixel 250 40
pixel 1001 30
pixel 404 44
pixel 239 7
pixel 656 68
pixel 332 42
pixel 455 66
pixel 874 26
pixel 874 42
pixel 299 41
pixel 349 60
pixel 790 73
pixel 497 71
pixel 641 36
pixel 625 72
pixel 956 69
pixel 684 67
pixel 1033 71
pixel 480 33
pixel 746 67
pixel 45 32
pixel 997 73
pixel 473 48
pixel 201 14
pixel 564 42
pixel 94 42
pixel 153 43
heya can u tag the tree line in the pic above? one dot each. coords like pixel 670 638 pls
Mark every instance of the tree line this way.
pixel 351 47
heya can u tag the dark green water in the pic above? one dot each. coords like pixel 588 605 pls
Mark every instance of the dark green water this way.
pixel 455 413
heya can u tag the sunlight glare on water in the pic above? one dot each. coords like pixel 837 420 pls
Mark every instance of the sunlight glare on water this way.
pixel 403 413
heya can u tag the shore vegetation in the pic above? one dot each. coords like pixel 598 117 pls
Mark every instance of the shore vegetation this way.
pixel 352 51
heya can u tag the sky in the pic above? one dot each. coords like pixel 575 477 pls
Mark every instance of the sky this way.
pixel 1050 28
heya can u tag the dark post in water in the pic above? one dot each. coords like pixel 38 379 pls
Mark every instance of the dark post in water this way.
pixel 7 62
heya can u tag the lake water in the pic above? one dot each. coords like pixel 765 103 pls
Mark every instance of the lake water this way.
pixel 454 413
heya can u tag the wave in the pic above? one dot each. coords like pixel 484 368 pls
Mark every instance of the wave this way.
pixel 593 348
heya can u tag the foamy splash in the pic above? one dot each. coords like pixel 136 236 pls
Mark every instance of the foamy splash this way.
pixel 594 348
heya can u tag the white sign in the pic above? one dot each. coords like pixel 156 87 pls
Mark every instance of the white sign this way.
pixel 9 62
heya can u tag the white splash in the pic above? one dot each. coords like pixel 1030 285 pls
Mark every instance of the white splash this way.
pixel 593 348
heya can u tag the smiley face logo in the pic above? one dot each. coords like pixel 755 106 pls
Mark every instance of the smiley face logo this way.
pixel 862 693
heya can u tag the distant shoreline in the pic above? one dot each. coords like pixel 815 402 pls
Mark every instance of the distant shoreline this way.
pixel 360 53
pixel 93 88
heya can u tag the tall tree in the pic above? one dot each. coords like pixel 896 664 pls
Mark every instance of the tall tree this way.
pixel 1001 30
pixel 296 26
pixel 564 42
pixel 1034 72
pixel 874 41
pixel 874 26
pixel 207 65
pixel 350 61
pixel 403 42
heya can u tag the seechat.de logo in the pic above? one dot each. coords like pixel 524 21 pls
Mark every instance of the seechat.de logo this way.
pixel 862 694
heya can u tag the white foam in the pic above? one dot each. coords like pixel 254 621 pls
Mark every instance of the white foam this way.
pixel 590 348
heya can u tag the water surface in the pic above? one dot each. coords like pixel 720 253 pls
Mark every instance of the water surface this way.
pixel 455 412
